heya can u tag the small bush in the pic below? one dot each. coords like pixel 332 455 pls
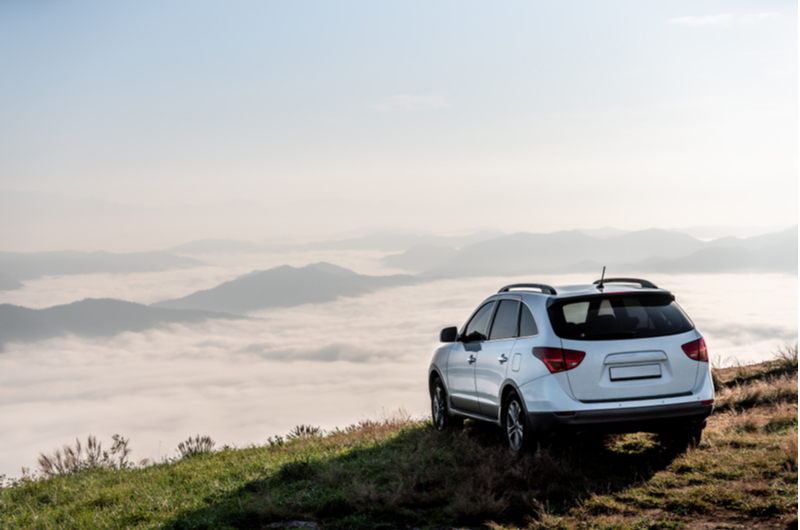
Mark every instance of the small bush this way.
pixel 196 446
pixel 787 357
pixel 72 459
pixel 304 432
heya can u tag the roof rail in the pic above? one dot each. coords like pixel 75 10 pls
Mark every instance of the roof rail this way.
pixel 546 289
pixel 642 283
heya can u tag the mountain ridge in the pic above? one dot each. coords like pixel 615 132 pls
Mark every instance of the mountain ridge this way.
pixel 91 317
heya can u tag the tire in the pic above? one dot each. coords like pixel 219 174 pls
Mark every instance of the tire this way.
pixel 440 410
pixel 515 424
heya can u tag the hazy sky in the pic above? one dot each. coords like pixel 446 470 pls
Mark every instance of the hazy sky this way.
pixel 571 114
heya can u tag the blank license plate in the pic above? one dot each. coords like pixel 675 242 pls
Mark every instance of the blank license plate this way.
pixel 646 371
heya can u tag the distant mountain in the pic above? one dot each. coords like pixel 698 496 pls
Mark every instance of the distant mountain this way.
pixel 717 232
pixel 387 242
pixel 28 266
pixel 647 250
pixel 286 286
pixel 420 258
pixel 7 283
pixel 91 318
pixel 603 233
pixel 766 253
pixel 216 246
pixel 523 253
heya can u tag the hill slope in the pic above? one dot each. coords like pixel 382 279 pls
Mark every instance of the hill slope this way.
pixel 399 473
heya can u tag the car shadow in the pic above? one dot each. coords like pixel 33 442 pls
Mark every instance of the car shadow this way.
pixel 421 477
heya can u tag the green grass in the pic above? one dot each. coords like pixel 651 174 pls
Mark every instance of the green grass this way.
pixel 399 473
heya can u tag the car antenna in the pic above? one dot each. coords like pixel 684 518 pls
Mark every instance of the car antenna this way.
pixel 602 277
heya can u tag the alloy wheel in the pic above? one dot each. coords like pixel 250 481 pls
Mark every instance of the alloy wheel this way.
pixel 439 408
pixel 515 431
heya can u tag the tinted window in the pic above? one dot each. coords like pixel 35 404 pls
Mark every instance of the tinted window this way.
pixel 527 325
pixel 618 317
pixel 476 328
pixel 505 320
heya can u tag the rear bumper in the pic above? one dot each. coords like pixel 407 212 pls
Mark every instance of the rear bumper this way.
pixel 658 418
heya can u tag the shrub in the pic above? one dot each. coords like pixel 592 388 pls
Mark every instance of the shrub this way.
pixel 787 357
pixel 196 446
pixel 304 432
pixel 72 459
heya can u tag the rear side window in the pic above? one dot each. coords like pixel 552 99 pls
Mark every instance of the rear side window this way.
pixel 505 320
pixel 618 316
pixel 527 325
pixel 476 327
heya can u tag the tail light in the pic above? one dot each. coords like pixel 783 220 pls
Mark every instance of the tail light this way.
pixel 696 350
pixel 558 360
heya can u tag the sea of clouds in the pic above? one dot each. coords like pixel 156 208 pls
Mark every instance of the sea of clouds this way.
pixel 327 365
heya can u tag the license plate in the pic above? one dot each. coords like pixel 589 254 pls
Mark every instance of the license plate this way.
pixel 646 371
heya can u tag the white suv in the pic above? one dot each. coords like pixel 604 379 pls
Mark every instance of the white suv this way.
pixel 618 356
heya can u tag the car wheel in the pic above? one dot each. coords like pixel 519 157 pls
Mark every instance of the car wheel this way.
pixel 515 424
pixel 440 412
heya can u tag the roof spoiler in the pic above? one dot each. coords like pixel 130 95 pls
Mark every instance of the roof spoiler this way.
pixel 546 289
pixel 642 283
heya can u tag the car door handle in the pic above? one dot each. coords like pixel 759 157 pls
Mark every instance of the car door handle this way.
pixel 471 359
pixel 502 358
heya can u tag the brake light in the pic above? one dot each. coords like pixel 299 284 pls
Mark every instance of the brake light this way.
pixel 558 360
pixel 696 350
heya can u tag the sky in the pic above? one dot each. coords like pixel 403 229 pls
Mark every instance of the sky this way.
pixel 533 116
pixel 141 125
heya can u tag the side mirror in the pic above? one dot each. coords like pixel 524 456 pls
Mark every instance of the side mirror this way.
pixel 473 337
pixel 448 334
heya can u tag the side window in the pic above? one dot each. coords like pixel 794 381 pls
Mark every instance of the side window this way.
pixel 476 328
pixel 527 325
pixel 505 320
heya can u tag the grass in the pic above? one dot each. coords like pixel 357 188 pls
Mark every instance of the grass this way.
pixel 399 473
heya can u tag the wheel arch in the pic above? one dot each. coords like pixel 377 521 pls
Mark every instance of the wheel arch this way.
pixel 433 376
pixel 506 388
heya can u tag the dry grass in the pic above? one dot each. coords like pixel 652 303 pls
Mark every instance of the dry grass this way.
pixel 787 357
pixel 764 392
pixel 789 447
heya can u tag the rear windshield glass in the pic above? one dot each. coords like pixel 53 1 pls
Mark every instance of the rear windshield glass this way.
pixel 618 316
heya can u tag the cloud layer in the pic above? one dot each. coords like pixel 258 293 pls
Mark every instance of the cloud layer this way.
pixel 323 364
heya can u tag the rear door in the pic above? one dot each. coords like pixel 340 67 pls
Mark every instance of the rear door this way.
pixel 494 357
pixel 632 369
pixel 633 346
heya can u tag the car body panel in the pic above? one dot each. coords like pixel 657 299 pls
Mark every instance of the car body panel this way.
pixel 592 379
pixel 490 373
pixel 461 376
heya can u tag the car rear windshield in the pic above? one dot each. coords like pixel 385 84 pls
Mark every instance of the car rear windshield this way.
pixel 618 316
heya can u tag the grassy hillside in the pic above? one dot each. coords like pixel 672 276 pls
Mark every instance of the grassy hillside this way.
pixel 401 473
